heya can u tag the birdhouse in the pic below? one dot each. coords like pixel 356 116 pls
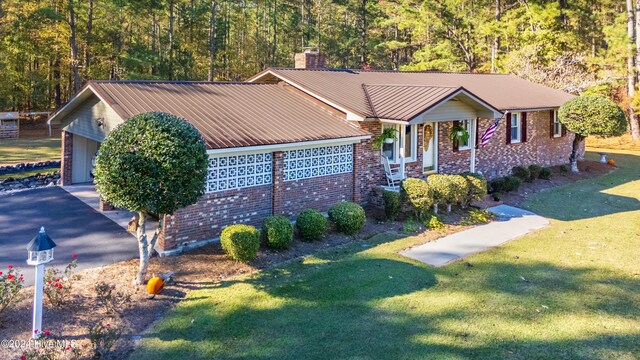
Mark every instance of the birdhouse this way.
pixel 40 249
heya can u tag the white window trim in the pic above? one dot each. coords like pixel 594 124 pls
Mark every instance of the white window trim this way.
pixel 466 124
pixel 556 125
pixel 519 127
pixel 401 142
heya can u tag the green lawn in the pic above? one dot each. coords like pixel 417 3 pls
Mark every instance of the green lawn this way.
pixel 29 150
pixel 571 290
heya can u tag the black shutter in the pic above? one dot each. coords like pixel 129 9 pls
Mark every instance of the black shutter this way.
pixel 508 122
pixel 552 125
pixel 456 143
pixel 477 132
pixel 523 124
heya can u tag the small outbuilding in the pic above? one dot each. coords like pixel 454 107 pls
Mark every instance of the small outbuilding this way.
pixel 9 125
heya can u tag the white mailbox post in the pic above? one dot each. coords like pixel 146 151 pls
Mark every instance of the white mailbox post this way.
pixel 40 252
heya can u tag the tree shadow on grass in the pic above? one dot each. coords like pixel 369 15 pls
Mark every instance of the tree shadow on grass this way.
pixel 365 307
pixel 590 198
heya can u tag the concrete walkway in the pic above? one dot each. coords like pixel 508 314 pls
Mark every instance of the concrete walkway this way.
pixel 511 223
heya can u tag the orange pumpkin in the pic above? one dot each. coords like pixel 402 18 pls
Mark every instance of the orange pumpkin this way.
pixel 155 285
pixel 611 162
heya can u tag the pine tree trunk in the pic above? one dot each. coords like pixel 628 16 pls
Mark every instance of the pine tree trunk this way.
pixel 496 42
pixel 171 21
pixel 73 43
pixel 573 159
pixel 631 69
pixel 87 51
pixel 143 248
pixel 435 208
pixel 212 41
pixel 363 35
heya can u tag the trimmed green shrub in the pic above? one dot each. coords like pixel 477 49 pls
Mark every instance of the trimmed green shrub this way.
pixel 545 173
pixel 277 232
pixel 348 217
pixel 311 225
pixel 511 183
pixel 521 172
pixel 392 204
pixel 564 168
pixel 448 189
pixel 434 223
pixel 476 187
pixel 496 185
pixel 496 196
pixel 240 241
pixel 534 172
pixel 419 195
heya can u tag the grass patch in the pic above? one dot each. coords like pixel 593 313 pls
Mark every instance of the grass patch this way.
pixel 25 174
pixel 29 150
pixel 570 290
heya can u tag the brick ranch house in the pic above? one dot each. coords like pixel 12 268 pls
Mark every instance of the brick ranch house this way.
pixel 289 139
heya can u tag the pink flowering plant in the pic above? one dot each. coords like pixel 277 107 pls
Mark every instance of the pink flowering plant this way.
pixel 57 283
pixel 50 347
pixel 11 283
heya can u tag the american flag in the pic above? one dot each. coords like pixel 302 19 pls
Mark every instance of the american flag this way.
pixel 484 140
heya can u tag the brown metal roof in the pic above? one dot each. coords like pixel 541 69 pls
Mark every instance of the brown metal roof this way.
pixel 404 102
pixel 344 87
pixel 229 114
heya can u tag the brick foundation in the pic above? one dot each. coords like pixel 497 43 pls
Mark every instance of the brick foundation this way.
pixel 206 219
pixel 67 158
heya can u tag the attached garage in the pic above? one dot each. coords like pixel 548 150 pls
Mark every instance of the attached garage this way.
pixel 85 124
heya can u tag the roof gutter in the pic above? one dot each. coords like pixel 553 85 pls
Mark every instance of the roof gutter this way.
pixel 288 146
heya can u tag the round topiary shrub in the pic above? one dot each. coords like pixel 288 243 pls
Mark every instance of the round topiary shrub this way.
pixel 277 232
pixel 348 217
pixel 392 204
pixel 419 195
pixel 521 172
pixel 240 241
pixel 534 172
pixel 511 183
pixel 545 174
pixel 311 225
pixel 476 187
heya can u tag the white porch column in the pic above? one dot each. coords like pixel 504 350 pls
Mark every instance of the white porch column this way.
pixel 472 144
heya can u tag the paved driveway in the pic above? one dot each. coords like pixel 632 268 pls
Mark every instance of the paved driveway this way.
pixel 73 225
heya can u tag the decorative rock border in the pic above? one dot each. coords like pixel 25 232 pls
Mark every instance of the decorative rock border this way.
pixel 29 182
pixel 18 168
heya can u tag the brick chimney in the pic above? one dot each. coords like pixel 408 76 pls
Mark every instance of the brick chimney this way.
pixel 309 59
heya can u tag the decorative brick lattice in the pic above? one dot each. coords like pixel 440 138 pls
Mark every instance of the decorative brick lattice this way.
pixel 239 171
pixel 318 161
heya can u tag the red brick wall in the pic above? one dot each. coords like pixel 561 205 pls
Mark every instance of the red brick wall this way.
pixel 206 219
pixel 498 157
pixel 317 193
pixel 368 166
pixel 67 158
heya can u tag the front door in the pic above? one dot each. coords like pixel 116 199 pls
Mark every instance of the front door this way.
pixel 429 144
